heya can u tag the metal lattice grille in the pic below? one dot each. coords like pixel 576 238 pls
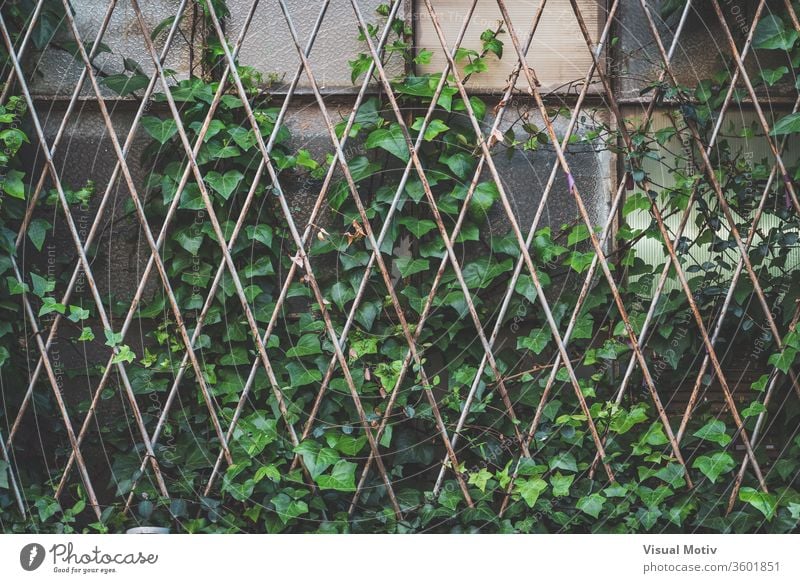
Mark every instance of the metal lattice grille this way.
pixel 525 420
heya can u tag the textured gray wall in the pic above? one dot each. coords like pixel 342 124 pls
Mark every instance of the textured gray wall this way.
pixel 268 45
pixel 88 155
pixel 55 72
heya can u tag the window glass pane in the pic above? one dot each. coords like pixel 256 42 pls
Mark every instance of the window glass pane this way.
pixel 558 53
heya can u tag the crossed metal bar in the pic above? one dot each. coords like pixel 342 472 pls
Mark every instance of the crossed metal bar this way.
pixel 663 278
pixel 301 261
pixel 656 213
pixel 121 165
pixel 301 255
pixel 362 287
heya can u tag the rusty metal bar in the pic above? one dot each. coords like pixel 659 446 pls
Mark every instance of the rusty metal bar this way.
pixel 121 163
pixel 76 240
pixel 583 294
pixel 301 256
pixel 12 477
pixel 434 208
pixel 681 276
pixel 37 11
pixel 533 84
pixel 537 218
pixel 308 229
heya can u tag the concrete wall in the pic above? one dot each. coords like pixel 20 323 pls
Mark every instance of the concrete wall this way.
pixel 87 153
pixel 55 72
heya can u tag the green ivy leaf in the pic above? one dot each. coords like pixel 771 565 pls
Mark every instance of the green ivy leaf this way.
pixel 112 338
pixel 765 503
pixel 307 345
pixel 51 305
pixel 460 164
pixel 526 288
pixel 476 66
pixel 530 489
pixel 648 517
pixel 300 375
pixel 76 314
pixel 755 408
pixel 367 313
pixel 495 46
pixel 536 341
pixel 391 140
pixel 341 293
pixel 261 233
pixel 342 478
pixel 714 431
pixel 761 383
pixel 783 360
pixel 417 227
pixel 15 287
pixel 359 66
pixel 478 106
pixel 787 125
pixel 434 128
pixel 564 461
pixel 483 198
pixel 190 239
pixel 480 479
pixel 591 504
pixel 13 184
pixel 423 57
pixel 37 230
pixel 715 465
pixel 347 444
pixel 123 85
pixel 125 354
pixel 561 484
pixel 160 130
pixel 47 507
pixel 224 184
pixel 269 471
pixel 771 33
pixel 218 151
pixel 408 266
pixel 316 459
pixel 577 234
pixel 287 508
pixel 672 474
pixel 624 421
pixel 772 76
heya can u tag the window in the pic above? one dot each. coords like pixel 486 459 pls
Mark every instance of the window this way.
pixel 558 52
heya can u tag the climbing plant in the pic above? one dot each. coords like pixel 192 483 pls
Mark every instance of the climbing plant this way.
pixel 301 459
